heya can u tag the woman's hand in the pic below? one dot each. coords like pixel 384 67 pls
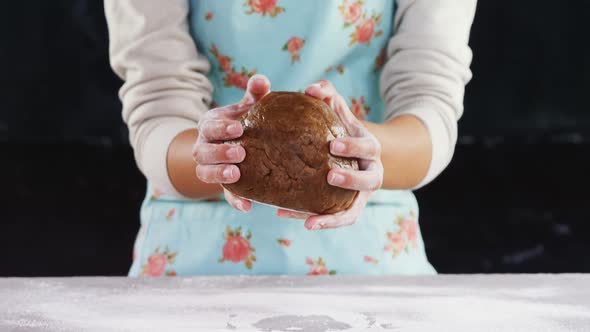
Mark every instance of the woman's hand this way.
pixel 215 160
pixel 361 145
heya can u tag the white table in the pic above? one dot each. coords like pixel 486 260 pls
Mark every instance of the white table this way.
pixel 441 303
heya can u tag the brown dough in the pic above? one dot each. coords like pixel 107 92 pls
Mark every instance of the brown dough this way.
pixel 286 138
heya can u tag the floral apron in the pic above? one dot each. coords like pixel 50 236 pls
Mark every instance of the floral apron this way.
pixel 294 43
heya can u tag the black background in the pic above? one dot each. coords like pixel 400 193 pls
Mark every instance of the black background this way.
pixel 514 199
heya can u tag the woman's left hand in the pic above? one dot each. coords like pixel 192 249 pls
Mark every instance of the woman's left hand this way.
pixel 362 145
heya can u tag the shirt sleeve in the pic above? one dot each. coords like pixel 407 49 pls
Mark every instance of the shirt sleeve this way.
pixel 427 70
pixel 165 88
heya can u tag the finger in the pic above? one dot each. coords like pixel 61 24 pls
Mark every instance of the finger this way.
pixel 233 111
pixel 258 87
pixel 282 213
pixel 326 91
pixel 367 180
pixel 351 123
pixel 210 154
pixel 323 90
pixel 356 147
pixel 220 129
pixel 340 219
pixel 237 202
pixel 218 173
pixel 316 223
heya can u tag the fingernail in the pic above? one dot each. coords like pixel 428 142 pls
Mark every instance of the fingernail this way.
pixel 336 178
pixel 338 146
pixel 228 172
pixel 258 79
pixel 232 153
pixel 316 85
pixel 316 227
pixel 240 206
pixel 234 129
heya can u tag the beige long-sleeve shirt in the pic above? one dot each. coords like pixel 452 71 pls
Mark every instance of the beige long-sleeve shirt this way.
pixel 166 89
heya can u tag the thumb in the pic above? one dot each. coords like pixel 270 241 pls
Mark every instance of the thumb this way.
pixel 258 87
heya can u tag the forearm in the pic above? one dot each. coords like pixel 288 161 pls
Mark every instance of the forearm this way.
pixel 182 168
pixel 406 151
pixel 166 89
pixel 422 85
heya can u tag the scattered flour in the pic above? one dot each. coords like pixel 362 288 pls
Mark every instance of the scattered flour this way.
pixel 296 304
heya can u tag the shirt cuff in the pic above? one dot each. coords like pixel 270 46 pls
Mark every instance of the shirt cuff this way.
pixel 441 137
pixel 153 155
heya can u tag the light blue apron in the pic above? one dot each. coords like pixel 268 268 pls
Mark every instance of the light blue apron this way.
pixel 294 43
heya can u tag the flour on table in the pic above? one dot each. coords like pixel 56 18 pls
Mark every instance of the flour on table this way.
pixel 296 304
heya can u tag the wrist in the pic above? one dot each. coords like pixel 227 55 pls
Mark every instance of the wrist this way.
pixel 182 168
pixel 406 151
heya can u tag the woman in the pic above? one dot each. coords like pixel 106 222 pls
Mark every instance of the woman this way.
pixel 400 68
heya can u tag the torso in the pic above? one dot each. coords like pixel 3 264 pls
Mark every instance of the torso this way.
pixel 294 43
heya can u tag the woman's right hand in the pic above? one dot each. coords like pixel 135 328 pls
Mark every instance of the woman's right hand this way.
pixel 216 160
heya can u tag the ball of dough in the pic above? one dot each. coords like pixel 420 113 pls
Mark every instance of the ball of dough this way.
pixel 287 137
